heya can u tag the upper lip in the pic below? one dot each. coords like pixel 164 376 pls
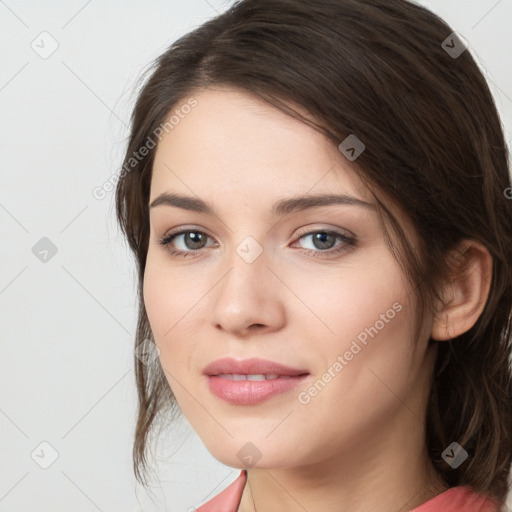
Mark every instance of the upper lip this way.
pixel 254 366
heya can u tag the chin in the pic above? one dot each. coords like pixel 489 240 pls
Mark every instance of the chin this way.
pixel 244 454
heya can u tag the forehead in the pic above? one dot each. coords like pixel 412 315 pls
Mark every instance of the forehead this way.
pixel 234 145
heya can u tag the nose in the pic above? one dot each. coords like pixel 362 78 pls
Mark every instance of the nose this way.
pixel 249 297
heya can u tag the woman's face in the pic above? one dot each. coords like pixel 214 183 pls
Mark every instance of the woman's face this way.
pixel 309 286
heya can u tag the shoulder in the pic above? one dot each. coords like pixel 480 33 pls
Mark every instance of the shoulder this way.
pixel 455 499
pixel 459 499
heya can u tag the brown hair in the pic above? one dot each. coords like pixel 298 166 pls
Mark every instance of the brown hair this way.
pixel 434 146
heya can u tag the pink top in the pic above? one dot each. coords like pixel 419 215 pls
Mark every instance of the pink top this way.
pixel 455 499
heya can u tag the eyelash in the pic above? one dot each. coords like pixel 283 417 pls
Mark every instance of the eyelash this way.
pixel 349 242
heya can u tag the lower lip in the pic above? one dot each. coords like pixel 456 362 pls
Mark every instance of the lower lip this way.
pixel 251 392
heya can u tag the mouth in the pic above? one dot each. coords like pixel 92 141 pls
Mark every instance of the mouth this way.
pixel 251 381
pixel 253 377
pixel 251 367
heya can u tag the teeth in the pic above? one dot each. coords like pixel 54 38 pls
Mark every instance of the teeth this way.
pixel 237 376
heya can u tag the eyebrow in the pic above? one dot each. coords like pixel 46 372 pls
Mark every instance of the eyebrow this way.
pixel 279 208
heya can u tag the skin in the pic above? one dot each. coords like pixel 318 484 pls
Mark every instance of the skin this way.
pixel 358 444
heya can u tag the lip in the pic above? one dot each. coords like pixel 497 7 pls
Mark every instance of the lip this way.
pixel 250 366
pixel 247 392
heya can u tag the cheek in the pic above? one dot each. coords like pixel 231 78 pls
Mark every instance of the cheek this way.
pixel 156 301
pixel 365 336
pixel 170 300
pixel 352 298
pixel 372 363
pixel 165 304
pixel 167 294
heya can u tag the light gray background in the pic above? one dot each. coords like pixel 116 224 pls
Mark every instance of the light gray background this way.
pixel 68 324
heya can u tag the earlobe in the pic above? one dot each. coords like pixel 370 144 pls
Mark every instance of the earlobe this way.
pixel 465 294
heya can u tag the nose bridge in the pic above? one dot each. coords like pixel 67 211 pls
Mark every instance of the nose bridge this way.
pixel 247 276
pixel 247 294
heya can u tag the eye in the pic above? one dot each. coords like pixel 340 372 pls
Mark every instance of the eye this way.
pixel 324 241
pixel 193 241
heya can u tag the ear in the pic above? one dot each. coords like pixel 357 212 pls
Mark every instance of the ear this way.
pixel 465 294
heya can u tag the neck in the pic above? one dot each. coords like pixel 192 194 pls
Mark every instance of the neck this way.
pixel 391 476
pixel 286 498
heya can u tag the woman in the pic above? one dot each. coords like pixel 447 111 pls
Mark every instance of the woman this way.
pixel 316 196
